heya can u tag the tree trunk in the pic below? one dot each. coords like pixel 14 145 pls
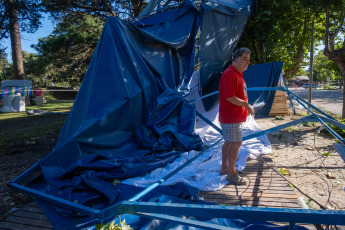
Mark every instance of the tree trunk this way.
pixel 343 110
pixel 263 49
pixel 342 70
pixel 338 56
pixel 17 57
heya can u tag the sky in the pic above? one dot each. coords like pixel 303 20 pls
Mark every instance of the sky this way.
pixel 28 39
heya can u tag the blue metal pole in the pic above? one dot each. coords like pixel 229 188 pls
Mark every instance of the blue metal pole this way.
pixel 56 200
pixel 248 89
pixel 271 130
pixel 26 173
pixel 333 122
pixel 202 97
pixel 323 123
pixel 329 217
pixel 293 107
pixel 281 88
pixel 184 221
pixel 317 109
pixel 209 122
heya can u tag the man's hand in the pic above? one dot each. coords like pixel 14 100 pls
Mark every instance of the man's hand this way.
pixel 250 109
pixel 236 101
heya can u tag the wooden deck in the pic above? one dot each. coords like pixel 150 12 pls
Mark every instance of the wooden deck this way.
pixel 29 217
pixel 266 189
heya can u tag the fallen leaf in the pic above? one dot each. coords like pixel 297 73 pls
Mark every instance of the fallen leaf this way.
pixel 7 198
pixel 330 176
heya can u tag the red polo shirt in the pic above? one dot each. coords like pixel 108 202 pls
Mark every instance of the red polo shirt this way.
pixel 232 84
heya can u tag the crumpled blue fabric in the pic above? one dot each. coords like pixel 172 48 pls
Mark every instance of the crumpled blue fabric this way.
pixel 170 125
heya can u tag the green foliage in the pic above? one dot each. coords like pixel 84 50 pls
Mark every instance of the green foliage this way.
pixel 308 124
pixel 29 15
pixel 308 203
pixel 65 55
pixel 112 226
pixel 3 65
pixel 279 117
pixel 327 154
pixel 282 170
pixel 281 31
pixel 276 31
pixel 329 87
pixel 116 181
pixel 292 129
pixel 123 9
pixel 339 131
pixel 325 68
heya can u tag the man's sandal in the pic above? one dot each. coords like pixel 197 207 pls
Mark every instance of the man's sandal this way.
pixel 236 179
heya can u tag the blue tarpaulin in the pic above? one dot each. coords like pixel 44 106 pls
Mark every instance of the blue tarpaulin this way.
pixel 223 23
pixel 129 116
pixel 263 75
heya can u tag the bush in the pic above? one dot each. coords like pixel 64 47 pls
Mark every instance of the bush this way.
pixel 329 87
pixel 339 131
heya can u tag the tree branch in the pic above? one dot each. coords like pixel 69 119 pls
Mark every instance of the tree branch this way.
pixel 333 35
pixel 109 8
pixel 3 33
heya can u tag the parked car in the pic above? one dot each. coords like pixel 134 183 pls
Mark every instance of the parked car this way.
pixel 306 86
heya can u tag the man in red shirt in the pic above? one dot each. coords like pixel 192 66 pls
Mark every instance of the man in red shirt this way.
pixel 233 110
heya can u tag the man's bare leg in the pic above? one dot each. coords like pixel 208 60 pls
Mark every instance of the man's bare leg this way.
pixel 225 152
pixel 232 158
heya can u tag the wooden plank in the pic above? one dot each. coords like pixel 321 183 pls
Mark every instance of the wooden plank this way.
pixel 282 100
pixel 264 199
pixel 255 203
pixel 17 226
pixel 34 209
pixel 277 107
pixel 261 194
pixel 28 221
pixel 38 216
pixel 254 190
pixel 279 93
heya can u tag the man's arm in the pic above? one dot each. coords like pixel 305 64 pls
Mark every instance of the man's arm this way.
pixel 237 101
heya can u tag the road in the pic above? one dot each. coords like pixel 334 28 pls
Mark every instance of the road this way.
pixel 329 100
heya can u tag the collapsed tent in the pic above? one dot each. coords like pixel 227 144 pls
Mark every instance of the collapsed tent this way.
pixel 124 115
pixel 130 116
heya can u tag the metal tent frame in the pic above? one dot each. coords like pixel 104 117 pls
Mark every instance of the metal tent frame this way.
pixel 173 211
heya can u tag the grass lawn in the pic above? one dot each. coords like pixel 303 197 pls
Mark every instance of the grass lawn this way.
pixel 21 127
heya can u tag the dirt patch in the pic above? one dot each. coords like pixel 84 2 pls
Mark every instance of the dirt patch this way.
pixel 18 156
pixel 15 159
pixel 309 161
pixel 307 158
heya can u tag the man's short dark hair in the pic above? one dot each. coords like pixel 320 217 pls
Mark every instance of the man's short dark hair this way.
pixel 238 53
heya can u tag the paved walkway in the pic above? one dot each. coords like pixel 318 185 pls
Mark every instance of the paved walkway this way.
pixel 329 100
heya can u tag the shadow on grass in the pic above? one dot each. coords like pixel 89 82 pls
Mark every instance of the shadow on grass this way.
pixel 19 127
